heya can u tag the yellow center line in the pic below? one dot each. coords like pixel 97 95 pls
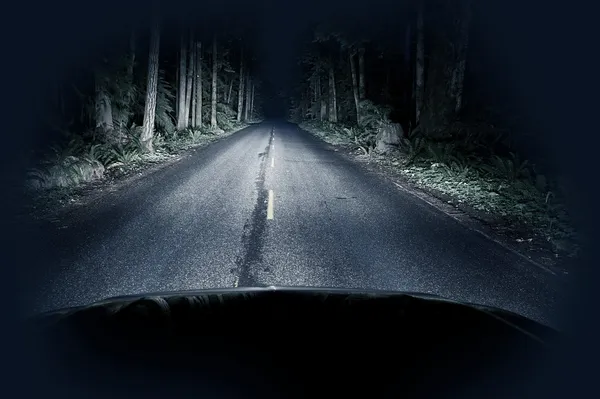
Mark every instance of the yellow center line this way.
pixel 270 206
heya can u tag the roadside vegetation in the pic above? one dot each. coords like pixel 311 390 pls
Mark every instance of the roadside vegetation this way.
pixel 134 103
pixel 422 112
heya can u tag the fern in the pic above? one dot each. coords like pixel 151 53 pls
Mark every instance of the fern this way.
pixel 509 168
pixel 165 121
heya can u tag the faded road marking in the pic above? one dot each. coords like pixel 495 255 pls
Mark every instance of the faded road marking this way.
pixel 273 162
pixel 236 282
pixel 270 206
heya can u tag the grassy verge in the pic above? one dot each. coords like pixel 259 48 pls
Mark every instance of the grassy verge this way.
pixel 68 171
pixel 502 191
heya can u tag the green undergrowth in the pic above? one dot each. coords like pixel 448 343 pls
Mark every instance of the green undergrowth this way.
pixel 78 161
pixel 503 190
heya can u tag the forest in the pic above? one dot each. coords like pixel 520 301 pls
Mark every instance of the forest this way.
pixel 414 93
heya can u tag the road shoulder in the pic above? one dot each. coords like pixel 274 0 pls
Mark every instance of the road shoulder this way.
pixel 536 252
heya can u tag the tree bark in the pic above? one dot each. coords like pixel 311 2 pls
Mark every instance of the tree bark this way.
pixel 252 102
pixel 213 105
pixel 177 88
pixel 248 84
pixel 323 110
pixel 193 108
pixel 407 68
pixel 420 67
pixel 198 85
pixel 332 94
pixel 355 87
pixel 229 92
pixel 462 55
pixel 182 85
pixel 152 88
pixel 241 87
pixel 362 92
pixel 189 79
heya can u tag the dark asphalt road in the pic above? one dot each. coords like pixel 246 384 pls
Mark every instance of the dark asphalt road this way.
pixel 203 223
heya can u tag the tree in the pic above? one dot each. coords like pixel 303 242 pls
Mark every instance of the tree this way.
pixel 420 67
pixel 181 92
pixel 229 92
pixel 213 105
pixel 198 85
pixel 355 89
pixel 252 101
pixel 189 79
pixel 248 93
pixel 461 56
pixel 193 55
pixel 361 72
pixel 444 75
pixel 152 88
pixel 241 86
pixel 332 93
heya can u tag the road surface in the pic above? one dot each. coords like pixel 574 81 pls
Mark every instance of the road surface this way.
pixel 272 205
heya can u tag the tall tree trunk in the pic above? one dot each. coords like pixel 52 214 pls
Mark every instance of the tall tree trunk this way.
pixel 193 55
pixel 229 92
pixel 252 102
pixel 332 94
pixel 354 87
pixel 152 87
pixel 177 80
pixel 241 87
pixel 189 79
pixel 459 71
pixel 181 124
pixel 323 113
pixel 362 93
pixel 420 67
pixel 248 84
pixel 213 102
pixel 198 85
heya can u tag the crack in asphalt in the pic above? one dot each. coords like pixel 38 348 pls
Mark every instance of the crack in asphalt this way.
pixel 254 228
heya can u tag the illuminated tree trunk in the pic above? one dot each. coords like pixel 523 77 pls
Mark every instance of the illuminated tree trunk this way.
pixel 193 108
pixel 198 85
pixel 248 88
pixel 213 105
pixel 241 87
pixel 181 124
pixel 229 92
pixel 323 113
pixel 151 90
pixel 332 94
pixel 189 80
pixel 362 92
pixel 354 87
pixel 252 102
